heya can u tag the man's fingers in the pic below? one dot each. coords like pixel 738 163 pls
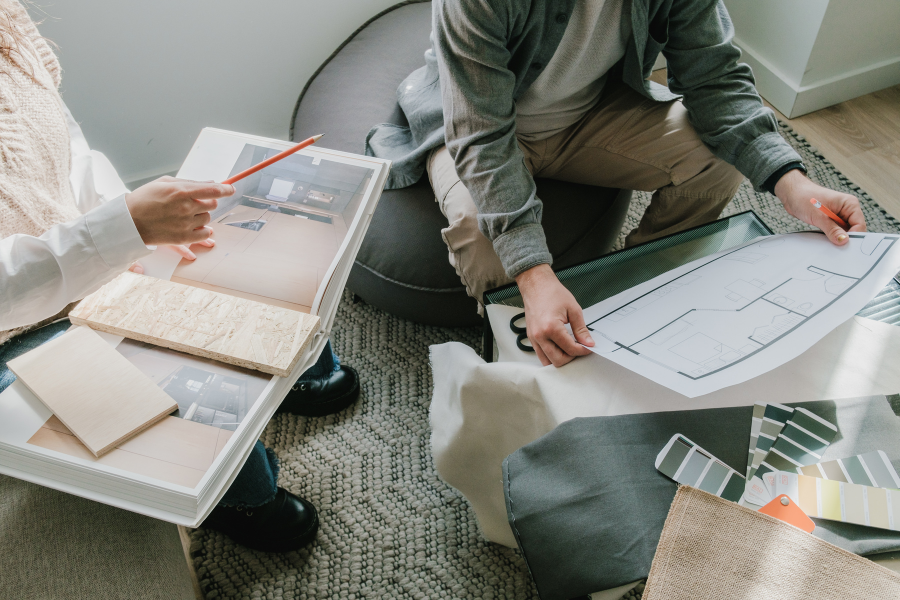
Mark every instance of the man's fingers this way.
pixel 208 242
pixel 853 215
pixel 832 230
pixel 540 354
pixel 566 343
pixel 136 268
pixel 552 352
pixel 576 321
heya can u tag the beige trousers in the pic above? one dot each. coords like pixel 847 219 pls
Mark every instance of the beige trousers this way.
pixel 626 141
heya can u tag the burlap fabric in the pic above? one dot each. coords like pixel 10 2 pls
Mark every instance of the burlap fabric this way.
pixel 712 548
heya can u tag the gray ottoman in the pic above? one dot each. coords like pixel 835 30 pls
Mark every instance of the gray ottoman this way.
pixel 402 267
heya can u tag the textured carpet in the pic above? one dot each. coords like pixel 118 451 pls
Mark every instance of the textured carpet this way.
pixel 390 527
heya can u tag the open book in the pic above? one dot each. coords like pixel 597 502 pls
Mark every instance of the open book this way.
pixel 288 237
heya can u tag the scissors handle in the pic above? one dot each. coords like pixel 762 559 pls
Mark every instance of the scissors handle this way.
pixel 521 333
pixel 516 328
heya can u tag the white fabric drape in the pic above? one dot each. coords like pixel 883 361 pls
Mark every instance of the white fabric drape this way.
pixel 482 412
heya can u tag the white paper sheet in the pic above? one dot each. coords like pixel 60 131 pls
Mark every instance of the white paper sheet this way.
pixel 732 316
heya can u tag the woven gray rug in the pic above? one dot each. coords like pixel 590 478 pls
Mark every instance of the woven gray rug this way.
pixel 390 527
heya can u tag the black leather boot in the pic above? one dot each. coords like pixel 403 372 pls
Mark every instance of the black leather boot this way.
pixel 322 397
pixel 286 523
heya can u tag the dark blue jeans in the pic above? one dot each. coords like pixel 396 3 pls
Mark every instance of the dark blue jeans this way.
pixel 256 483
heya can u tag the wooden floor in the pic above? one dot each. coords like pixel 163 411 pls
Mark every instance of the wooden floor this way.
pixel 861 137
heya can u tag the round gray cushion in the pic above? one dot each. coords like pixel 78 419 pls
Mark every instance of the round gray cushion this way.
pixel 402 267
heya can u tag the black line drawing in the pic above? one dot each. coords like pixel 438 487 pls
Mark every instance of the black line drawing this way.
pixel 737 304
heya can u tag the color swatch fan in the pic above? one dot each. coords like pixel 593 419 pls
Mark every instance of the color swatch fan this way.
pixel 689 464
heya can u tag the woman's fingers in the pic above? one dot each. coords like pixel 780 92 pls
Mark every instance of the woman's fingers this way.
pixel 184 252
pixel 201 220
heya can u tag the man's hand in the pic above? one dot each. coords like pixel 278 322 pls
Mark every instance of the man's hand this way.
pixel 795 190
pixel 548 307
pixel 172 211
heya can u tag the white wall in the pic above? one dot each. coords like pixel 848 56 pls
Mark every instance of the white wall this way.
pixel 809 54
pixel 855 34
pixel 779 32
pixel 144 76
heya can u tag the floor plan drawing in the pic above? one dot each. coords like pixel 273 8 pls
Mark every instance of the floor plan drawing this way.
pixel 711 317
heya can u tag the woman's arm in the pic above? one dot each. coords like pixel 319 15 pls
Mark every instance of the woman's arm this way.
pixel 39 276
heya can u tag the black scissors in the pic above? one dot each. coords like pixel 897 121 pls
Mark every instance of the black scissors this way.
pixel 521 334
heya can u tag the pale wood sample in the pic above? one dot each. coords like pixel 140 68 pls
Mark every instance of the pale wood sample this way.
pixel 173 450
pixel 201 322
pixel 94 391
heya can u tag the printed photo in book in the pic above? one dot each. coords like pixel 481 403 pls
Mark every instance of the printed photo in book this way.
pixel 277 236
pixel 213 399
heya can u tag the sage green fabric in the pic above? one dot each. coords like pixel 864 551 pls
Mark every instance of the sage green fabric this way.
pixel 57 546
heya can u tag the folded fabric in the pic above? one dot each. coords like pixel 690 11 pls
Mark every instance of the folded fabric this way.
pixel 481 413
pixel 711 548
pixel 587 505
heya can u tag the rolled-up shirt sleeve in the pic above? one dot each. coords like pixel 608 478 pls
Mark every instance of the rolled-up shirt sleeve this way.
pixel 477 87
pixel 39 276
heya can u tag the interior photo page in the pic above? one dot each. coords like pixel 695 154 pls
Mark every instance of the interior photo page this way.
pixel 213 399
pixel 278 234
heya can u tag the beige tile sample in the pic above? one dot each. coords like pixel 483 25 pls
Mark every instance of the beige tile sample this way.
pixel 93 390
pixel 201 322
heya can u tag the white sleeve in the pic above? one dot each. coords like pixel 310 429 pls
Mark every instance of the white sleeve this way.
pixel 39 276
pixel 94 180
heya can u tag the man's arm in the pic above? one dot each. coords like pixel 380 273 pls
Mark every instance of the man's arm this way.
pixel 730 117
pixel 480 126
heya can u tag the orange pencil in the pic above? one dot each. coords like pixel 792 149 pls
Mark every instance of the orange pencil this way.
pixel 274 159
pixel 824 209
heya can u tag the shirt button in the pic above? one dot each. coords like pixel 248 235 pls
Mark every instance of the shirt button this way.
pixel 561 18
pixel 538 66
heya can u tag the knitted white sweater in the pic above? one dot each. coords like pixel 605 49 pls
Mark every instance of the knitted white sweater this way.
pixel 35 193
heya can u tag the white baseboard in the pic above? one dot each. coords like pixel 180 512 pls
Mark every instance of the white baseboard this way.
pixel 794 100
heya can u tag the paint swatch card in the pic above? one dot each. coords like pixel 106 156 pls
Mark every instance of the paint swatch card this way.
pixel 801 442
pixel 759 410
pixel 872 469
pixel 840 501
pixel 689 464
pixel 783 509
pixel 770 425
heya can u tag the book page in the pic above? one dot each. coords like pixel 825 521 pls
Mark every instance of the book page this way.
pixel 280 235
pixel 213 400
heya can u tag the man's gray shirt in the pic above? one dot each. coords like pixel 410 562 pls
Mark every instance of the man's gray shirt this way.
pixel 486 53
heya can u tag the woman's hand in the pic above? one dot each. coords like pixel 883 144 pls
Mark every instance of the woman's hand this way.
pixel 172 211
pixel 182 251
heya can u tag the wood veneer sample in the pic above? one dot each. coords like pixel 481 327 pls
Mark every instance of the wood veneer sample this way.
pixel 93 390
pixel 232 330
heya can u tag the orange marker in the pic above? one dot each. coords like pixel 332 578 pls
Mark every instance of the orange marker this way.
pixel 274 159
pixel 824 209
